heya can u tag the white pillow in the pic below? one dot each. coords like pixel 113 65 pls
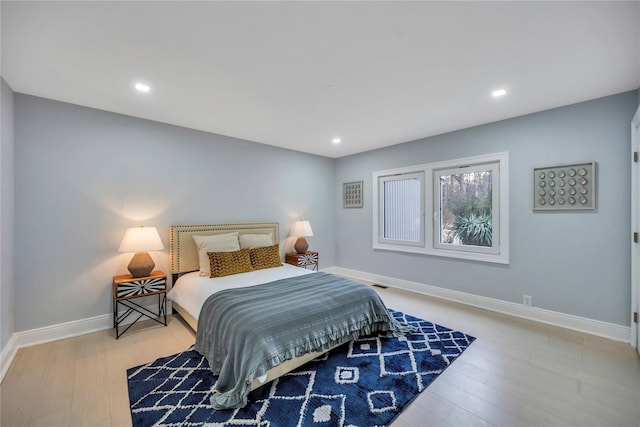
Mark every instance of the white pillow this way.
pixel 227 242
pixel 255 240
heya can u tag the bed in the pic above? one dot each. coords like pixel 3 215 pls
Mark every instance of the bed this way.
pixel 183 253
pixel 235 316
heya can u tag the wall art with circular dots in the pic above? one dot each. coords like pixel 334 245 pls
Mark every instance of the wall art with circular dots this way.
pixel 352 194
pixel 565 187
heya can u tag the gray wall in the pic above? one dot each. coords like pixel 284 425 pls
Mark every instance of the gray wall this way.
pixel 570 262
pixel 6 214
pixel 83 176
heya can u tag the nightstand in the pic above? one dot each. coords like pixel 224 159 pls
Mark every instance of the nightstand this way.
pixel 307 259
pixel 126 288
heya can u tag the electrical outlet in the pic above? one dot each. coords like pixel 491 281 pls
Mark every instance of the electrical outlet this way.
pixel 526 300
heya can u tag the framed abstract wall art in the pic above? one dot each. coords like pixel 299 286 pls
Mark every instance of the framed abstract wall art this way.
pixel 565 187
pixel 352 194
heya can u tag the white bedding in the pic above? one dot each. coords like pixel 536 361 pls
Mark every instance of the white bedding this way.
pixel 191 290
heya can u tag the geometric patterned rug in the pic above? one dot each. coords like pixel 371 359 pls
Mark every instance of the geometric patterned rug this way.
pixel 367 382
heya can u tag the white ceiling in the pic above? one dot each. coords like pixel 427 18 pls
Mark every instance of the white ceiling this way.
pixel 297 74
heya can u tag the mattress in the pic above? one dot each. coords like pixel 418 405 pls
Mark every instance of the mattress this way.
pixel 191 290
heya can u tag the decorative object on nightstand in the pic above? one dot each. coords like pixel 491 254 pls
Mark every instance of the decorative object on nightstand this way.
pixel 304 260
pixel 301 229
pixel 126 288
pixel 141 240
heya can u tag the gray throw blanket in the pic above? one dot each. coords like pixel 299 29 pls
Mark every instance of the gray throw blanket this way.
pixel 245 332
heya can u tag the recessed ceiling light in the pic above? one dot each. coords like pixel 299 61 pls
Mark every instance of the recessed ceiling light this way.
pixel 498 93
pixel 142 87
pixel 336 140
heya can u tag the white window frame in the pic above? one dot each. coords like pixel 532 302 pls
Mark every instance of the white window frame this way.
pixel 499 253
pixel 494 167
pixel 419 175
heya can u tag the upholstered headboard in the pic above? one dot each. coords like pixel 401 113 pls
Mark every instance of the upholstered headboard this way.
pixel 182 249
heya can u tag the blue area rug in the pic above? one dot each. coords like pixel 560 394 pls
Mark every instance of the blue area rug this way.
pixel 363 383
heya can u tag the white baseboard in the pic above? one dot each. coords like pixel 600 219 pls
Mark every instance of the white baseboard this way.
pixel 58 332
pixel 567 321
pixel 52 333
pixel 64 330
pixel 8 353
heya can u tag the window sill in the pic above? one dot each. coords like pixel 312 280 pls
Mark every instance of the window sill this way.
pixel 472 256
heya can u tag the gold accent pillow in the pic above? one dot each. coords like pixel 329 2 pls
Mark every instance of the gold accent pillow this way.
pixel 228 263
pixel 265 257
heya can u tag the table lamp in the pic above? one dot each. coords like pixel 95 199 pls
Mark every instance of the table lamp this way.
pixel 141 240
pixel 301 229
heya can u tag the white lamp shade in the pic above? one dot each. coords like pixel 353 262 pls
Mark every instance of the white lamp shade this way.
pixel 301 229
pixel 141 239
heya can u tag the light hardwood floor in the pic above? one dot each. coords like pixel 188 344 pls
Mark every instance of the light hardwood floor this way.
pixel 517 373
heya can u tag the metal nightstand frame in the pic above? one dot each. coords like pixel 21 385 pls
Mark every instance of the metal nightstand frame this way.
pixel 139 290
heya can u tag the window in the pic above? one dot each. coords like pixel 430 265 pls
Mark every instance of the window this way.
pixel 402 209
pixel 466 199
pixel 467 212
